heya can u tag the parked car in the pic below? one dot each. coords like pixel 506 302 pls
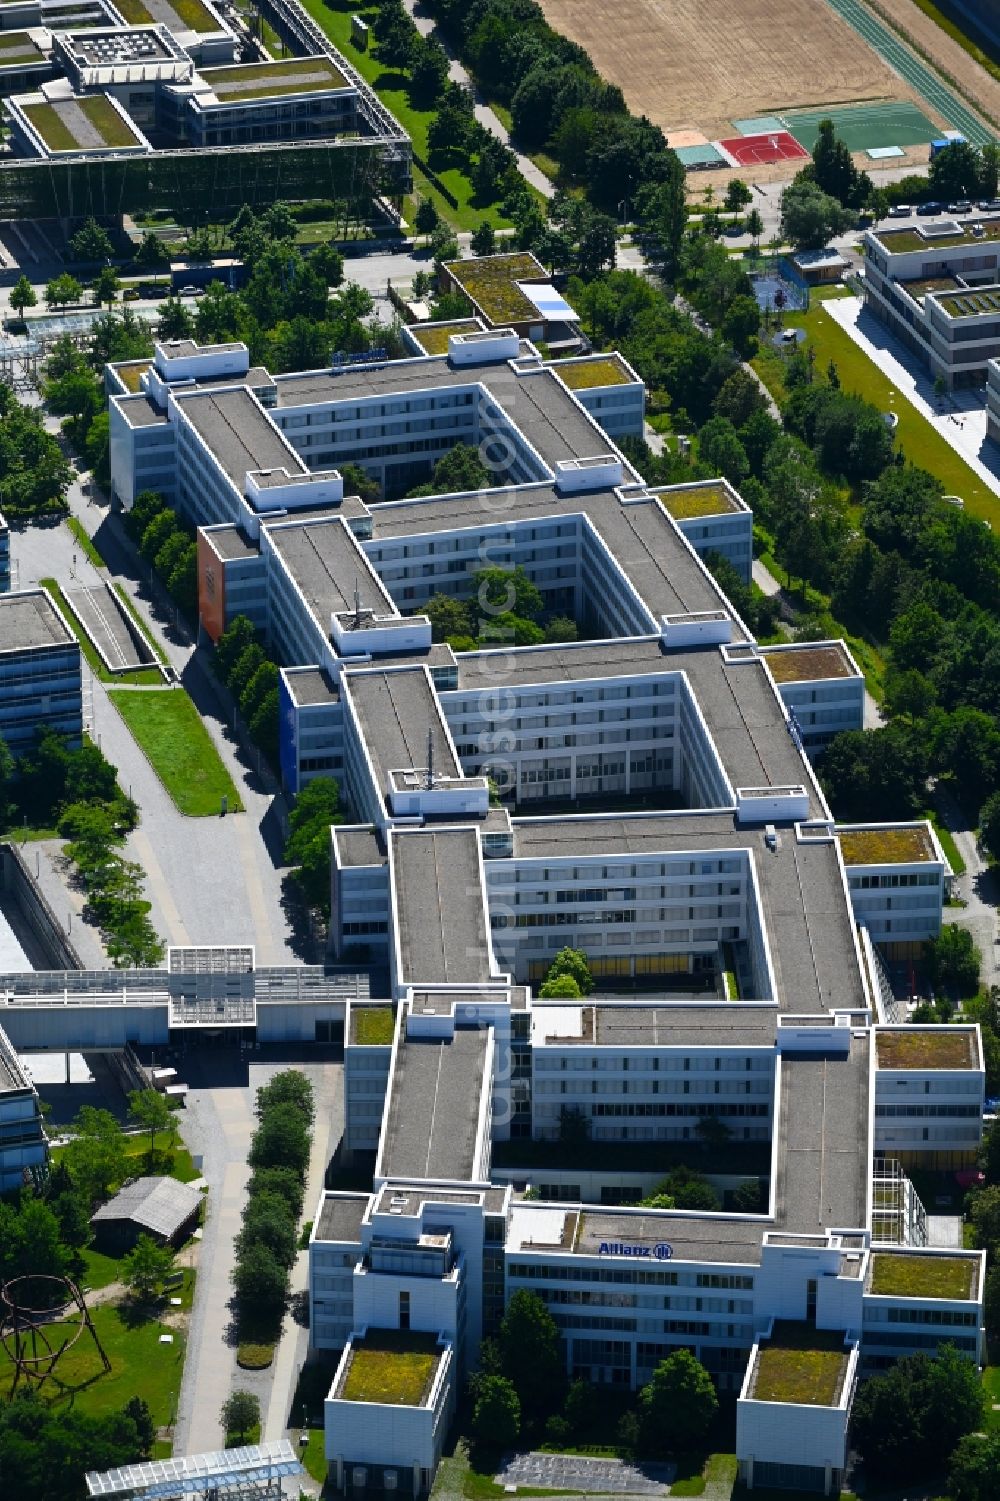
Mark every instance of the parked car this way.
pixel 900 211
pixel 930 208
pixel 191 292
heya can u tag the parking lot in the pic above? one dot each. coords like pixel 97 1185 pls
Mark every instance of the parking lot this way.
pixel 592 1477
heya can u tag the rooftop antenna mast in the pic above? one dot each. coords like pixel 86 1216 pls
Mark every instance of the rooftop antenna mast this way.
pixel 430 760
pixel 357 605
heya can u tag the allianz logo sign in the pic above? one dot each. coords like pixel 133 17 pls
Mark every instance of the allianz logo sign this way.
pixel 662 1251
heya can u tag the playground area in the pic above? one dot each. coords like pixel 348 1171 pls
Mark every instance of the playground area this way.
pixel 760 150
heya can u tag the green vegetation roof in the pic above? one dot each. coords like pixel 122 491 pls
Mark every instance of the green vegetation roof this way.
pixel 433 338
pixel 898 240
pixel 921 285
pixel 808 663
pixel 926 1047
pixel 69 124
pixel 391 1367
pixel 129 373
pixel 916 1276
pixel 969 303
pixel 707 500
pixel 295 75
pixel 491 283
pixel 885 846
pixel 191 14
pixel 801 1364
pixel 581 375
pixel 372 1026
pixel 18 47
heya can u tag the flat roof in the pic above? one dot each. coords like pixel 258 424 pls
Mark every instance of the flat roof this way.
pixel 691 502
pixel 970 302
pixel 311 686
pixel 707 1238
pixel 392 1367
pixel 491 283
pixel 239 433
pixel 807 663
pixel 926 1048
pixel 29 619
pixel 177 15
pixel 886 846
pixel 230 543
pixel 434 1109
pixel 554 424
pixel 103 47
pixel 800 1364
pixel 913 1274
pixel 677 1024
pixel 326 562
pixel 88 122
pixel 744 715
pixel 823 1141
pixel 395 710
pixel 341 1216
pixel 896 241
pixel 441 920
pixel 594 371
pixel 359 846
pixel 806 917
pixel 140 411
pixel 291 75
pixel 18 48
pixel 433 337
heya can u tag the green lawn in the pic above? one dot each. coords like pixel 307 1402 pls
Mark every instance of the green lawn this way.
pixel 85 542
pixel 372 1027
pixel 99 1270
pixel 140 1367
pixel 175 1163
pixel 390 85
pixel 920 441
pixel 168 728
pixel 991 1386
pixel 921 1276
pixel 947 841
pixel 137 677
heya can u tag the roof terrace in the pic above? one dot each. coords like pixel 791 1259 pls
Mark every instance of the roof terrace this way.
pixel 178 15
pixel 912 1275
pixel 800 1364
pixel 971 302
pixel 926 1047
pixel 372 1026
pixel 433 337
pixel 19 49
pixel 921 285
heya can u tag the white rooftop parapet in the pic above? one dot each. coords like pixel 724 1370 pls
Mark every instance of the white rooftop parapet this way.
pixel 277 490
pixel 413 792
pixel 488 347
pixel 602 471
pixel 358 633
pixel 183 359
pixel 764 804
pixel 701 628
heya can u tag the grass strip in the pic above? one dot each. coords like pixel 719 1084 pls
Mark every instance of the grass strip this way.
pixel 137 677
pixel 85 541
pixel 169 729
pixel 143 628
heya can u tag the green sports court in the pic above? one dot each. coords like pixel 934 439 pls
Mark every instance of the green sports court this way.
pixel 865 127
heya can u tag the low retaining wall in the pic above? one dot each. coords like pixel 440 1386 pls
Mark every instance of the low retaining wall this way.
pixel 20 891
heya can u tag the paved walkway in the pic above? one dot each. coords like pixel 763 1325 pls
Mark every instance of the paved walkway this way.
pixel 979 889
pixel 484 114
pixel 210 880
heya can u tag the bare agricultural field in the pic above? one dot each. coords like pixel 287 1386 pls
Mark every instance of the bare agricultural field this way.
pixel 698 63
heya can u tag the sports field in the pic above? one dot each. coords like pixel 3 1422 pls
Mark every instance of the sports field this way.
pixel 755 150
pixel 697 63
pixel 866 127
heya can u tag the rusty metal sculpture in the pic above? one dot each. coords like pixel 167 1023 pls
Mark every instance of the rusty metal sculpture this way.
pixel 25 1316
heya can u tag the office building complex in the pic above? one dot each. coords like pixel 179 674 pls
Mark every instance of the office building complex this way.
pixel 23 1148
pixel 643 794
pixel 89 88
pixel 4 556
pixel 937 287
pixel 40 670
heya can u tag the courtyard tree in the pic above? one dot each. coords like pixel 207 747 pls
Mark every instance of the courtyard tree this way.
pixel 22 295
pixel 496 1414
pixel 151 1110
pixel 146 1267
pixel 810 218
pixel 531 1354
pixel 678 1405
pixel 907 1420
pixel 240 1413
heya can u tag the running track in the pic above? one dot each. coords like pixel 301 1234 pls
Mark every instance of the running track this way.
pixel 899 57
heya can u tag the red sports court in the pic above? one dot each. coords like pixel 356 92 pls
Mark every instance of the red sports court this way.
pixel 774 146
